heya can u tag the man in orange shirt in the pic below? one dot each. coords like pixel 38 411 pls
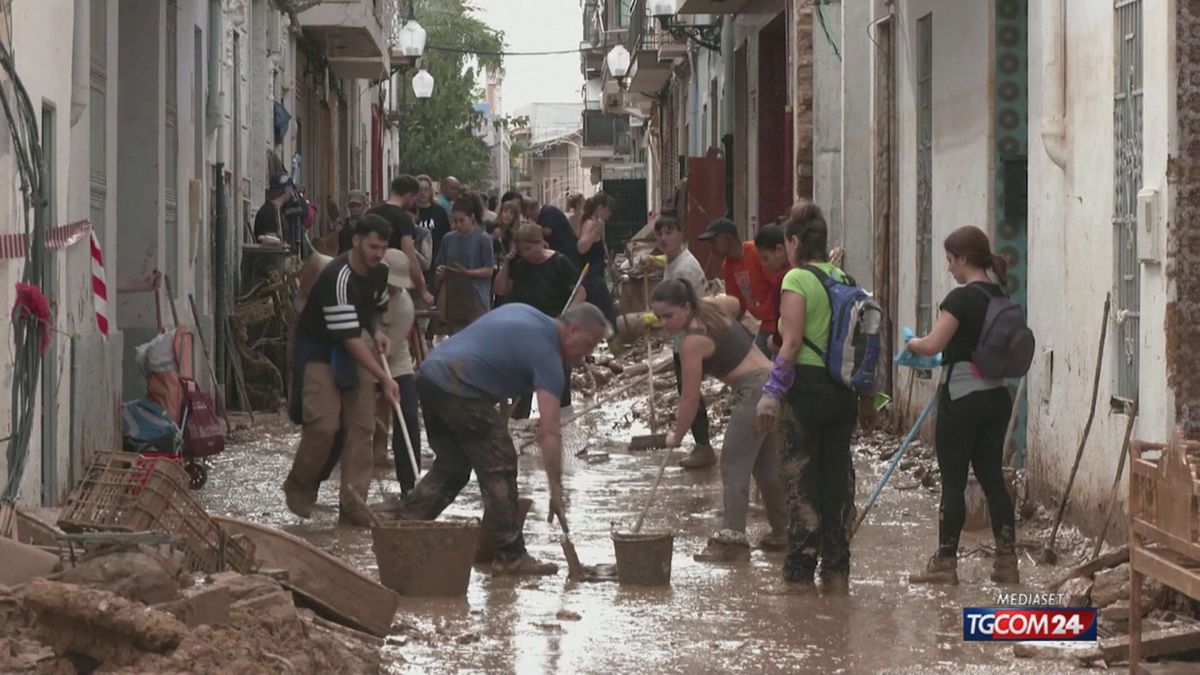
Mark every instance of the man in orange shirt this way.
pixel 746 278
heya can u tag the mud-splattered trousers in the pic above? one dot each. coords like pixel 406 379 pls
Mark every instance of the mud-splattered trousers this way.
pixel 818 419
pixel 744 453
pixel 970 433
pixel 469 434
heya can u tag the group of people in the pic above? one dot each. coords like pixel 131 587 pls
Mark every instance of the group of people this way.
pixel 526 283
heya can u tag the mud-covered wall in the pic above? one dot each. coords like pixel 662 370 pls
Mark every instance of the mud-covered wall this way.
pixel 1183 238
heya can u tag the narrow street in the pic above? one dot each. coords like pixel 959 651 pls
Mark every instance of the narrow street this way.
pixel 711 619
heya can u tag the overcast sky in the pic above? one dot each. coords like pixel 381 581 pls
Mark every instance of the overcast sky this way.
pixel 538 25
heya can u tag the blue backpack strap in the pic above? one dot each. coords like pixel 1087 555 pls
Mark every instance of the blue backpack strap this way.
pixel 826 282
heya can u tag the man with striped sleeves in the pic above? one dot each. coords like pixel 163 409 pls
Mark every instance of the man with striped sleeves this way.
pixel 336 371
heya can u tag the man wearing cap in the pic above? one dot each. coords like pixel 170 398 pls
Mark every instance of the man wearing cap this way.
pixel 746 278
pixel 337 370
pixel 269 219
pixel 357 206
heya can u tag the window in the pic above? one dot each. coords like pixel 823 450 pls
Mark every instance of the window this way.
pixel 624 9
pixel 1127 146
pixel 925 174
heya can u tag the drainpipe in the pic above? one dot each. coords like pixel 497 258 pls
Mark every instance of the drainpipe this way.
pixel 81 61
pixel 1054 76
pixel 727 106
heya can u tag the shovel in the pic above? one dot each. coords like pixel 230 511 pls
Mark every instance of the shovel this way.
pixel 575 569
pixel 654 439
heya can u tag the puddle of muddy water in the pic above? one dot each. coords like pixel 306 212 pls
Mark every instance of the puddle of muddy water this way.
pixel 710 619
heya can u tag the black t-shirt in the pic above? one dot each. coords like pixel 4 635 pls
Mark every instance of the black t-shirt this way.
pixel 346 234
pixel 342 303
pixel 399 219
pixel 546 285
pixel 433 219
pixel 562 238
pixel 969 306
pixel 266 221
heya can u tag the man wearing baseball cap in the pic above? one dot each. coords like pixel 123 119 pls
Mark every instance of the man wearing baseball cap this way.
pixel 269 220
pixel 746 278
pixel 357 206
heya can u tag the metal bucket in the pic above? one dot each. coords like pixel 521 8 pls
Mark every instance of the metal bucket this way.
pixel 644 559
pixel 485 552
pixel 420 557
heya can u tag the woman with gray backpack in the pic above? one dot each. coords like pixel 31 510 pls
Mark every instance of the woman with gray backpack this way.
pixel 983 339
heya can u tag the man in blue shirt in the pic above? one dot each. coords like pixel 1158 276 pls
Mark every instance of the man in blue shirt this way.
pixel 509 352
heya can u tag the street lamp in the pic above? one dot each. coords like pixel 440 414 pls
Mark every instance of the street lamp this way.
pixel 662 8
pixel 618 62
pixel 705 35
pixel 411 41
pixel 422 84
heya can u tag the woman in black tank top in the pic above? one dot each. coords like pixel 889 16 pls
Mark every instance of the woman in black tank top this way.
pixel 973 411
pixel 714 344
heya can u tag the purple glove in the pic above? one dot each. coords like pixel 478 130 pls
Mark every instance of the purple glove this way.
pixel 783 375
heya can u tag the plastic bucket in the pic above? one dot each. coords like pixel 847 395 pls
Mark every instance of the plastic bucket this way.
pixel 420 557
pixel 485 552
pixel 644 559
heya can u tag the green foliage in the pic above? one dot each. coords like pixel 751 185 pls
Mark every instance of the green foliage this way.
pixel 438 134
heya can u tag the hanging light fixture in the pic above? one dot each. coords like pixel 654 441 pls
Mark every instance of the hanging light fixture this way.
pixel 411 41
pixel 618 61
pixel 422 84
pixel 662 8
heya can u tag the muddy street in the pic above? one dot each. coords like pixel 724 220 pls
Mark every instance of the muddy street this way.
pixel 712 618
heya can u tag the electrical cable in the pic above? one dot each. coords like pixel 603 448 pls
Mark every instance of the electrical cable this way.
pixel 484 52
pixel 27 331
pixel 825 27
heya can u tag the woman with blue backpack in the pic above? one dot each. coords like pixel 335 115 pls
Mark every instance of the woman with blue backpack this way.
pixel 973 407
pixel 820 417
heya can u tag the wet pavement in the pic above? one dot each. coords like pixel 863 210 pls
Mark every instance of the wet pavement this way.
pixel 712 618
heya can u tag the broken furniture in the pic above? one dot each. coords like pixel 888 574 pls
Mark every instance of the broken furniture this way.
pixel 1164 526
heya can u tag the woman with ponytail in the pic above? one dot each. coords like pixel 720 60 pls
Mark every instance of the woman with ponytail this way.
pixel 820 418
pixel 973 410
pixel 714 344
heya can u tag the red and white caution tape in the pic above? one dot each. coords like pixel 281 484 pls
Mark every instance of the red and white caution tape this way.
pixel 14 246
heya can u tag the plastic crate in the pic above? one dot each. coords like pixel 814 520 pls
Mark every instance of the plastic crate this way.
pixel 126 492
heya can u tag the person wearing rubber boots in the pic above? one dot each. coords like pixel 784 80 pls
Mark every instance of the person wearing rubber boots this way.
pixel 463 386
pixel 338 371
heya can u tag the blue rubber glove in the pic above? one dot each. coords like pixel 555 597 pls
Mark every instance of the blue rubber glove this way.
pixel 910 360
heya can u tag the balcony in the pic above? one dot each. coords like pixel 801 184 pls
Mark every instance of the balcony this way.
pixel 712 6
pixel 350 34
pixel 605 137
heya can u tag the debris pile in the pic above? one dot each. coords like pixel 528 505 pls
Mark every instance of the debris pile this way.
pixel 138 611
pixel 1104 582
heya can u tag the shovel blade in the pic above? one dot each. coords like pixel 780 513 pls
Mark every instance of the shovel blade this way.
pixel 575 568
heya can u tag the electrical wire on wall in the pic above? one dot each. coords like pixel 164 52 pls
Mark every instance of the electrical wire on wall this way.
pixel 30 317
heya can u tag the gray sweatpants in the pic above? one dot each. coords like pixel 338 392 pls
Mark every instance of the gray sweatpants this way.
pixel 745 453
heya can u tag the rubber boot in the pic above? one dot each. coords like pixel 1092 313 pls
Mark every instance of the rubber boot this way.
pixel 299 500
pixel 835 583
pixel 725 546
pixel 525 565
pixel 939 571
pixel 1005 570
pixel 701 457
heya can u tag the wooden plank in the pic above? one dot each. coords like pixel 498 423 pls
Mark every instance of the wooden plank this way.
pixel 1154 643
pixel 1158 566
pixel 329 584
pixel 31 530
pixel 1159 536
pixel 1101 562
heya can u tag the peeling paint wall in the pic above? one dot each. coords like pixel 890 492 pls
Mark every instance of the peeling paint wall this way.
pixel 1183 235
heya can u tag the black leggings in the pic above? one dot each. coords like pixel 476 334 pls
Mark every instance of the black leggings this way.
pixel 700 421
pixel 970 433
pixel 412 418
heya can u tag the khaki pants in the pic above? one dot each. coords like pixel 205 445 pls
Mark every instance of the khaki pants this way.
pixel 326 409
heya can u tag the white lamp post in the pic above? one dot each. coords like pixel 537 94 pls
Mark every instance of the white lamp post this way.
pixel 422 84
pixel 411 41
pixel 618 61
pixel 662 8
